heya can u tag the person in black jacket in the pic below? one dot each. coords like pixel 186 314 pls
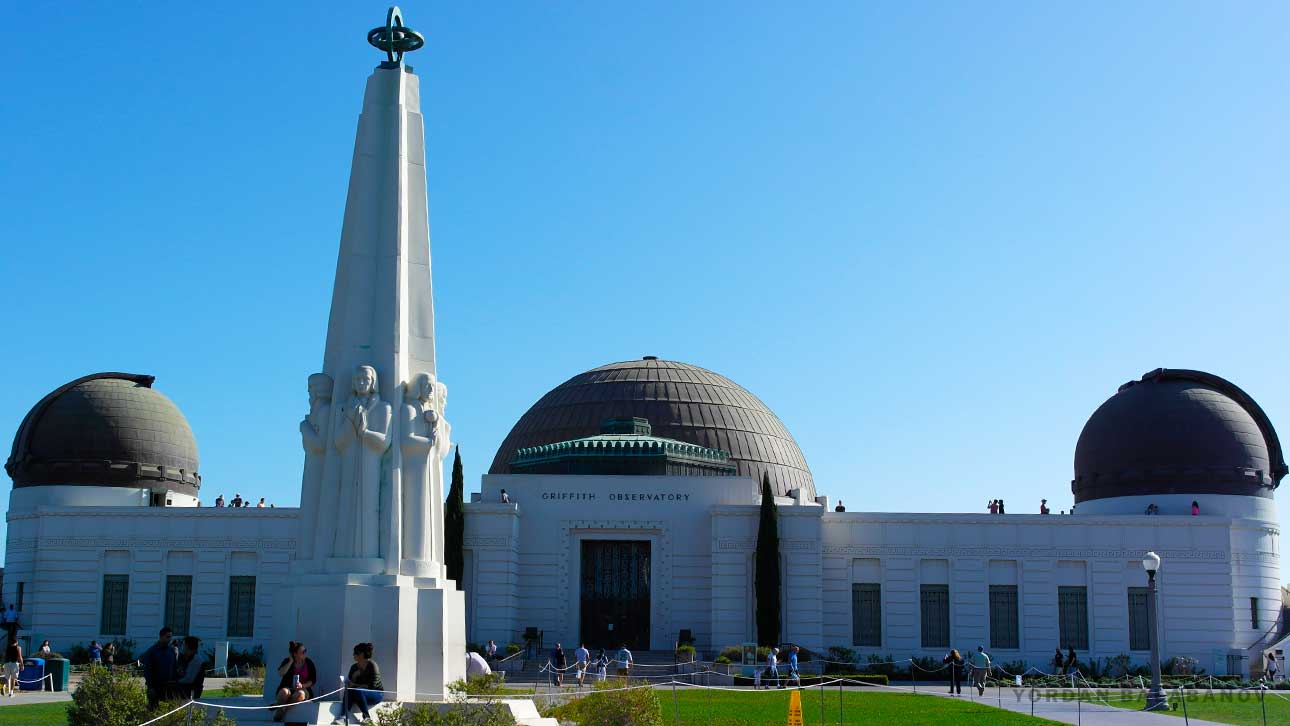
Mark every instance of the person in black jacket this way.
pixel 158 667
pixel 363 686
pixel 298 678
pixel 955 662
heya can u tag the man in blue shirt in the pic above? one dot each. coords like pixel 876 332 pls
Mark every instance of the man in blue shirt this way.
pixel 158 667
pixel 793 676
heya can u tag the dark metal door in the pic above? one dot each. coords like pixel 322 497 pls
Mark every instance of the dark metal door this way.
pixel 615 593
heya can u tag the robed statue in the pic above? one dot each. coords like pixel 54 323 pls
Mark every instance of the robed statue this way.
pixel 362 435
pixel 418 424
pixel 313 436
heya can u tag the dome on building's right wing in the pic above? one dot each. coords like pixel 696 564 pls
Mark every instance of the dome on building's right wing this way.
pixel 106 429
pixel 1177 432
pixel 682 402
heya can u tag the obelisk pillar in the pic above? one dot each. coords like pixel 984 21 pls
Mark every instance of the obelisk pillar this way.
pixel 366 569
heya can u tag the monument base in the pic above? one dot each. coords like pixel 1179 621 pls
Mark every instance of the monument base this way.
pixel 413 624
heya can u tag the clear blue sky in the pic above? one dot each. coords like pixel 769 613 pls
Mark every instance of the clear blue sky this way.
pixel 932 237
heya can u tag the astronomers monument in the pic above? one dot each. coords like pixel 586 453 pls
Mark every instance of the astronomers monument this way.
pixel 368 565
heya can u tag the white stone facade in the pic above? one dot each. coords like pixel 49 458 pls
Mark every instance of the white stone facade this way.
pixel 59 556
pixel 522 568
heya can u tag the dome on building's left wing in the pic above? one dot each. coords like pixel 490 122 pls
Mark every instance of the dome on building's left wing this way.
pixel 106 429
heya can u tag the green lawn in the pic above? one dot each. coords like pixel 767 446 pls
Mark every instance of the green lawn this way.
pixel 36 714
pixel 1239 708
pixel 755 708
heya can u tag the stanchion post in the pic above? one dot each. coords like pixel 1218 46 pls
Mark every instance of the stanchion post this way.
pixel 1183 696
pixel 676 714
pixel 1263 705
pixel 839 701
pixel 913 674
pixel 1032 703
pixel 188 716
pixel 799 685
pixel 1079 707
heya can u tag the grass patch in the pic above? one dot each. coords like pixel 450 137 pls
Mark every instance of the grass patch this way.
pixel 1240 708
pixel 770 708
pixel 35 714
pixel 49 714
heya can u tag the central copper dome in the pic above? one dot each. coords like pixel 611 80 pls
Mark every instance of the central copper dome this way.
pixel 681 402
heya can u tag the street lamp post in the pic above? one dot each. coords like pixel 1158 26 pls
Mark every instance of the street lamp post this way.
pixel 1156 699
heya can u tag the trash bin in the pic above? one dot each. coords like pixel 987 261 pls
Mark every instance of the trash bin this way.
pixel 58 669
pixel 32 675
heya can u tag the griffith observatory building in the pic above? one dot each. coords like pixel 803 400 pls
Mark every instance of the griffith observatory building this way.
pixel 630 515
pixel 633 512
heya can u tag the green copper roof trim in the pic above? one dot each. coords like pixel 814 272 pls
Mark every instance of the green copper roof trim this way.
pixel 618 445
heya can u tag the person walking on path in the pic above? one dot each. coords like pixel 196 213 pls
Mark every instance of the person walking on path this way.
pixel 624 661
pixel 109 656
pixel 602 665
pixel 158 667
pixel 363 686
pixel 772 668
pixel 1058 660
pixel 980 669
pixel 955 662
pixel 12 665
pixel 793 676
pixel 583 657
pixel 298 676
pixel 1071 664
pixel 96 653
pixel 557 664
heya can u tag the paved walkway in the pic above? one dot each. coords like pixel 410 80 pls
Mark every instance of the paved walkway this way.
pixel 26 698
pixel 1046 704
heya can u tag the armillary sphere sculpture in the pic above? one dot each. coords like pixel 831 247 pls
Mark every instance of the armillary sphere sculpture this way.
pixel 395 38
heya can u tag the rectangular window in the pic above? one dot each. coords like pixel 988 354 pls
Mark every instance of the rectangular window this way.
pixel 1072 617
pixel 179 600
pixel 866 614
pixel 936 615
pixel 116 595
pixel 1003 617
pixel 241 606
pixel 1139 630
pixel 21 587
pixel 1254 613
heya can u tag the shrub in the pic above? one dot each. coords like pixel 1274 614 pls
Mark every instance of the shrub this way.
pixel 1013 668
pixel 200 716
pixel 608 705
pixel 721 660
pixel 868 678
pixel 926 667
pixel 474 714
pixel 108 698
pixel 489 684
pixel 840 660
pixel 246 686
pixel 475 648
pixel 513 648
pixel 732 654
pixel 685 653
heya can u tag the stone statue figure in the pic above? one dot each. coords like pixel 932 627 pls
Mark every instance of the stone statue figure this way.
pixel 418 422
pixel 362 434
pixel 313 435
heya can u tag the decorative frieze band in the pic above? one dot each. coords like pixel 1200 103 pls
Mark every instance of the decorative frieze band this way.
pixel 1061 553
pixel 126 543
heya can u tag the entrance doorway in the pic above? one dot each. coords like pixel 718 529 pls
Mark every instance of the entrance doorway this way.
pixel 615 594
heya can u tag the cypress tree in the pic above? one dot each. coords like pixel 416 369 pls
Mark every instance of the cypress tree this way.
pixel 454 524
pixel 767 577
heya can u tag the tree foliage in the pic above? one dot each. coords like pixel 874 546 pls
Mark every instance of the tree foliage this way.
pixel 454 524
pixel 613 704
pixel 767 577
